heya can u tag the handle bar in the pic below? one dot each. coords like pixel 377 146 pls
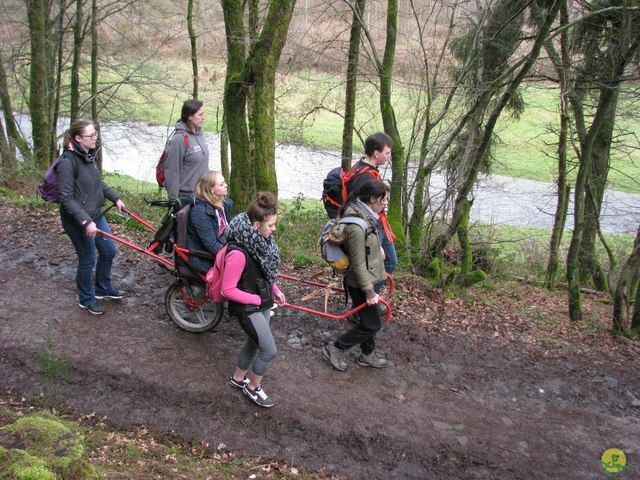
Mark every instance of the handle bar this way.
pixel 176 205
pixel 159 203
pixel 344 315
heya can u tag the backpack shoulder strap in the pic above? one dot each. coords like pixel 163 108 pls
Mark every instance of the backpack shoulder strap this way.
pixel 356 170
pixel 365 228
pixel 185 136
pixel 72 159
pixel 356 221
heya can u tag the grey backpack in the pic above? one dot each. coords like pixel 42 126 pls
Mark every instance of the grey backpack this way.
pixel 331 239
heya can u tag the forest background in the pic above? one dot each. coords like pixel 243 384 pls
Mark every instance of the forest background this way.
pixel 447 80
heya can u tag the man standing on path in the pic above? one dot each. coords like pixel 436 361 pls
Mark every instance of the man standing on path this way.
pixel 377 151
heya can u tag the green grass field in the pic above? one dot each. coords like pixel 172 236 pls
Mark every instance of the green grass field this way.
pixel 309 106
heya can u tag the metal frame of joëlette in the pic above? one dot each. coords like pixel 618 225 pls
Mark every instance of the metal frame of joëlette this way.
pixel 183 253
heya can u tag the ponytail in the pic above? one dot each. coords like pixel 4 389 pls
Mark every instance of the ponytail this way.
pixel 76 129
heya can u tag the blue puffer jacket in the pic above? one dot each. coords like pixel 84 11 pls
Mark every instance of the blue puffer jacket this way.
pixel 203 232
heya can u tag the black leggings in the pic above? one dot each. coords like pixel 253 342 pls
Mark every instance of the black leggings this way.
pixel 365 332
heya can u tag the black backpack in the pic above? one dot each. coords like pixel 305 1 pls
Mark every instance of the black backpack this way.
pixel 334 187
pixel 332 194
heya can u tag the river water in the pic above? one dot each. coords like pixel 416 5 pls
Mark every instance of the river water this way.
pixel 133 149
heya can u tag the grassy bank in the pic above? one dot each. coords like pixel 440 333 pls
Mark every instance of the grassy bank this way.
pixel 307 103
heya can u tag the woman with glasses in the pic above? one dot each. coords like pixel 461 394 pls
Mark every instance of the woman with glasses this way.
pixel 81 193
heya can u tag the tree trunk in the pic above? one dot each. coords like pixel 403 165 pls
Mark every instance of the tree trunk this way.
pixel 550 280
pixel 194 47
pixel 608 93
pixel 264 140
pixel 15 139
pixel 241 179
pixel 466 253
pixel 95 111
pixel 385 73
pixel 78 38
pixel 417 219
pixel 261 72
pixel 635 320
pixel 7 154
pixel 629 272
pixel 563 66
pixel 60 59
pixel 352 83
pixel 224 147
pixel 590 267
pixel 39 81
pixel 250 93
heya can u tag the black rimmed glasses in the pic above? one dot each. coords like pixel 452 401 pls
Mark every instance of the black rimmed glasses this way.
pixel 93 135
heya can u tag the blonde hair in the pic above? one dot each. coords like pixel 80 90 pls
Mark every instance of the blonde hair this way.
pixel 203 187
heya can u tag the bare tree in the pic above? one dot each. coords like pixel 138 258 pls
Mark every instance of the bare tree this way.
pixel 42 74
pixel 53 67
pixel 384 69
pixel 434 87
pixel 78 39
pixel 494 86
pixel 562 65
pixel 351 84
pixel 14 140
pixel 194 50
pixel 595 139
pixel 7 154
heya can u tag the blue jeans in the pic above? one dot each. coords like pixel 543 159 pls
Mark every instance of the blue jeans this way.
pixel 390 257
pixel 86 250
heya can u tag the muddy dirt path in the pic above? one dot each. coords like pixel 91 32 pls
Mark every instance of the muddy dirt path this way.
pixel 473 391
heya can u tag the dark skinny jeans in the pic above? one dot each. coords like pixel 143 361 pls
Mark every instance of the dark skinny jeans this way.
pixel 365 332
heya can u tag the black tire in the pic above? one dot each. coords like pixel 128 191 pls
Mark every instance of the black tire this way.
pixel 201 319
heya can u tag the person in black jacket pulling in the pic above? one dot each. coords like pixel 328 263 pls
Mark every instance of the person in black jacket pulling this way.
pixel 208 219
pixel 82 192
